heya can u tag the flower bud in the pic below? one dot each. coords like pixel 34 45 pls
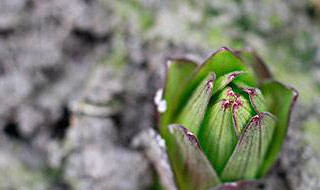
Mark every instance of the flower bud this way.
pixel 225 120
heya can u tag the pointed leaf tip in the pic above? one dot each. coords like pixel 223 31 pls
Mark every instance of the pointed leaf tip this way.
pixel 224 80
pixel 190 136
pixel 250 57
pixel 256 99
pixel 251 149
pixel 234 75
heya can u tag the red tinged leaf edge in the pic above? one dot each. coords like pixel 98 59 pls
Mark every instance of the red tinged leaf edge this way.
pixel 294 99
pixel 261 70
pixel 239 185
pixel 193 169
pixel 191 137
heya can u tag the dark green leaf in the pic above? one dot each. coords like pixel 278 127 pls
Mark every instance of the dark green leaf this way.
pixel 191 167
pixel 251 149
pixel 178 73
pixel 280 100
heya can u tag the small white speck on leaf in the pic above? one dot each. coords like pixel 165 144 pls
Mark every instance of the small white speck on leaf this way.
pixel 158 96
pixel 162 106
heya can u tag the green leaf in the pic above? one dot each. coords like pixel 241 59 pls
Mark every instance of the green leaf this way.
pixel 224 80
pixel 251 58
pixel 191 167
pixel 280 100
pixel 251 149
pixel 178 72
pixel 257 99
pixel 217 134
pixel 222 62
pixel 194 111
pixel 255 96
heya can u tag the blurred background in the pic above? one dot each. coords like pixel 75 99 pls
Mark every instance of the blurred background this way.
pixel 77 79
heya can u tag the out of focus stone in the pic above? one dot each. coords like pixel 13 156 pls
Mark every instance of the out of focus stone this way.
pixel 10 14
pixel 30 119
pixel 103 85
pixel 14 89
pixel 90 130
pixel 101 167
pixel 299 156
pixel 154 148
pixel 93 15
pixel 13 172
pixel 94 161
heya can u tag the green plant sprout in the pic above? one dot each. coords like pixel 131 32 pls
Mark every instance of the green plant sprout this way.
pixel 224 120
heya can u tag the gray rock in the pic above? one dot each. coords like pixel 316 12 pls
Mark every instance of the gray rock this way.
pixel 299 156
pixel 101 167
pixel 15 89
pixel 94 161
pixel 90 130
pixel 30 119
pixel 92 15
pixel 14 174
pixel 10 14
pixel 103 85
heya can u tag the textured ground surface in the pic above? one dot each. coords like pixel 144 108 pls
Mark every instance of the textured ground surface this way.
pixel 77 79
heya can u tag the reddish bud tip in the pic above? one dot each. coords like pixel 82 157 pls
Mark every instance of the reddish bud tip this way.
pixel 250 91
pixel 233 75
pixel 225 104
pixel 191 137
pixel 210 84
pixel 237 103
pixel 230 92
pixel 257 118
